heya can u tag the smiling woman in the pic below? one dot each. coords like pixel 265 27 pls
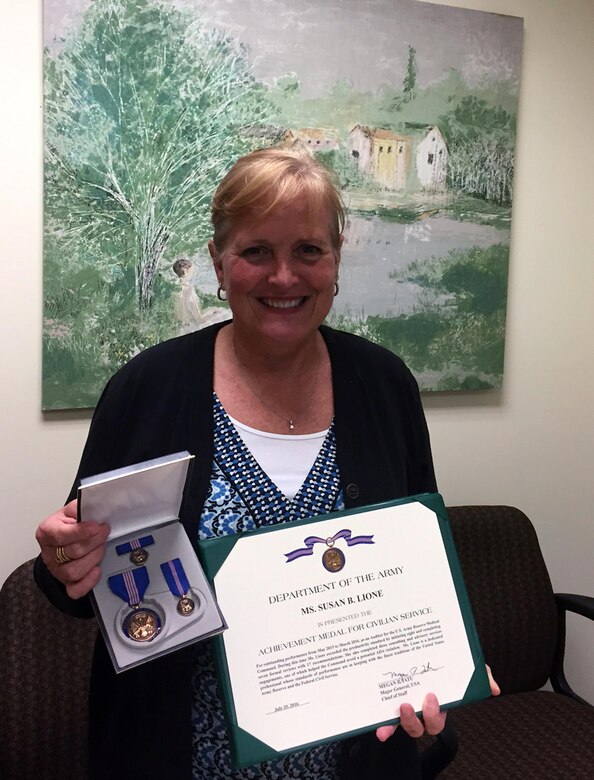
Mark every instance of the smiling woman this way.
pixel 279 272
pixel 278 222
pixel 288 419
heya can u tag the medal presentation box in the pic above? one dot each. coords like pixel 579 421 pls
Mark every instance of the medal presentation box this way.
pixel 153 597
pixel 339 620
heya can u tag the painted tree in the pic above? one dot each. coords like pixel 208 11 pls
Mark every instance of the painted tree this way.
pixel 145 108
pixel 410 79
pixel 409 82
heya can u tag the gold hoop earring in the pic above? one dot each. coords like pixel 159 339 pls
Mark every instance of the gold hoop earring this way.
pixel 220 291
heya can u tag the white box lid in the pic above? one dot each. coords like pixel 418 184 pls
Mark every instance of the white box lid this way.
pixel 135 497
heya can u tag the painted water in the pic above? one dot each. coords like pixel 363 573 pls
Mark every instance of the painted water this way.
pixel 374 249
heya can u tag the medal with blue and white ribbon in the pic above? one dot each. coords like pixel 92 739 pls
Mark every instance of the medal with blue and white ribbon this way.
pixel 177 582
pixel 141 624
pixel 333 559
pixel 136 548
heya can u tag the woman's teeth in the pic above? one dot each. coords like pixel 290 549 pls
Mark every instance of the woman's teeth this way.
pixel 284 304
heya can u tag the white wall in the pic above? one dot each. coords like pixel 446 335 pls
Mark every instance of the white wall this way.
pixel 529 445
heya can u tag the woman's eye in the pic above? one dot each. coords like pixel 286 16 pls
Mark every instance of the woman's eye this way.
pixel 254 252
pixel 310 249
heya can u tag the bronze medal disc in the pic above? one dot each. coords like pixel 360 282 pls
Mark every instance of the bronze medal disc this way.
pixel 333 559
pixel 139 556
pixel 142 625
pixel 185 606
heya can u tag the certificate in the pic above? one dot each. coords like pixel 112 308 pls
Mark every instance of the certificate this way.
pixel 335 621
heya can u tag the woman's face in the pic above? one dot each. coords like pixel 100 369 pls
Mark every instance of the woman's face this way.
pixel 279 273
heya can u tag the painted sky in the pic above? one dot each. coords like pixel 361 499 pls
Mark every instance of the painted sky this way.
pixel 364 41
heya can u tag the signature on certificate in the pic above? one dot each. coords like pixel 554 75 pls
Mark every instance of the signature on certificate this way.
pixel 414 671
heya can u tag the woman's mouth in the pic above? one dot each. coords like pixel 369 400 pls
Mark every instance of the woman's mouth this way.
pixel 282 303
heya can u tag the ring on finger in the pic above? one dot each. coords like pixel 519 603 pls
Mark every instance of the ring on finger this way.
pixel 61 556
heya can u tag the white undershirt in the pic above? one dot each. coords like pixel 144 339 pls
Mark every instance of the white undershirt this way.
pixel 286 458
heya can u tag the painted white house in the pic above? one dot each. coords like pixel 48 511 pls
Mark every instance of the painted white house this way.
pixel 431 160
pixel 360 140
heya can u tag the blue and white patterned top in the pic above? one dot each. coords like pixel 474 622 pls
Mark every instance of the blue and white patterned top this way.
pixel 241 498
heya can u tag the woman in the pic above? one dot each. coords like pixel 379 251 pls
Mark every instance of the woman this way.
pixel 323 420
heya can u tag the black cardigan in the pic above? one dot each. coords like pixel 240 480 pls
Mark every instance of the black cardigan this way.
pixel 160 403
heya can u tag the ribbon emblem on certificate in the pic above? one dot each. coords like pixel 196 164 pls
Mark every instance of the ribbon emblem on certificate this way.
pixel 178 584
pixel 136 548
pixel 142 624
pixel 333 559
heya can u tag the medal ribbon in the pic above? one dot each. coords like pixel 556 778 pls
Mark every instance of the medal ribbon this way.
pixel 134 544
pixel 175 577
pixel 130 585
pixel 311 541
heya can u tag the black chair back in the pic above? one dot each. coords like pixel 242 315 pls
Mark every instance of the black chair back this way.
pixel 45 660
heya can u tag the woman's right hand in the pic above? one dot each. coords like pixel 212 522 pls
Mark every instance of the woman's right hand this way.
pixel 82 545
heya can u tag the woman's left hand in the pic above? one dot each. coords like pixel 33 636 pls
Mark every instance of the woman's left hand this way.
pixel 433 720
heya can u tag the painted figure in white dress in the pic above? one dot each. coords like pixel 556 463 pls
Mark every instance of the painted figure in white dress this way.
pixel 188 311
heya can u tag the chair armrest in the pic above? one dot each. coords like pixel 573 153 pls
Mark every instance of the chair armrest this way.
pixel 581 605
pixel 56 594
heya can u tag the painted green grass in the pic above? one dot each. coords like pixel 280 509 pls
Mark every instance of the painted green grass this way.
pixel 457 344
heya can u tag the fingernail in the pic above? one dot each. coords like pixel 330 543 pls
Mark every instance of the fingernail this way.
pixel 383 733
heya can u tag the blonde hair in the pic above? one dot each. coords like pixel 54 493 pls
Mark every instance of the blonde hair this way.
pixel 269 178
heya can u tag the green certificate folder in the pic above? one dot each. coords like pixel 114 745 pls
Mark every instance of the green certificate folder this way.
pixel 335 621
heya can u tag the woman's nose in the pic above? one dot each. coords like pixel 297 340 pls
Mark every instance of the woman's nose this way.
pixel 283 271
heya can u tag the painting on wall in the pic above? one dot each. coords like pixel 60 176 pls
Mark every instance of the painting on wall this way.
pixel 147 103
